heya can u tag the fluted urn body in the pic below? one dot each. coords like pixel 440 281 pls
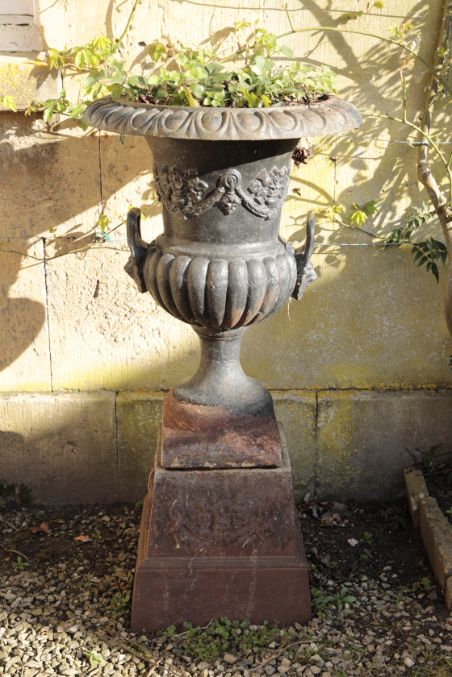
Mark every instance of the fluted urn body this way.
pixel 224 542
pixel 220 265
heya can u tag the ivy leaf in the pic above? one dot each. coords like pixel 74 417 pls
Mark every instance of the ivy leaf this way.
pixel 156 50
pixel 47 113
pixel 358 217
pixel 76 111
pixel 370 207
pixel 284 50
pixel 9 102
pixel 258 66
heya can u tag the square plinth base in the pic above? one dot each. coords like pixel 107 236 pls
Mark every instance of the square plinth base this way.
pixel 220 543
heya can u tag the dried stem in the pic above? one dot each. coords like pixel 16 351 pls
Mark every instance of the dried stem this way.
pixel 440 202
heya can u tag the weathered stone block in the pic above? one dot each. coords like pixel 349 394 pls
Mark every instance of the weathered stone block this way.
pixel 341 336
pixel 24 340
pixel 61 446
pixel 366 439
pixel 21 79
pixel 138 417
pixel 297 413
pixel 416 489
pixel 436 531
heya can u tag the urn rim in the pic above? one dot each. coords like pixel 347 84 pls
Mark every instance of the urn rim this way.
pixel 330 115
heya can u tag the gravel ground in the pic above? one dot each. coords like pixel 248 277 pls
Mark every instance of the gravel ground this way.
pixel 65 603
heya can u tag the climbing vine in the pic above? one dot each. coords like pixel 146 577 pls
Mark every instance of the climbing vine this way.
pixel 250 75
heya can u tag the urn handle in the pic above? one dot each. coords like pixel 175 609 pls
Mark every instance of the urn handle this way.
pixel 138 247
pixel 305 270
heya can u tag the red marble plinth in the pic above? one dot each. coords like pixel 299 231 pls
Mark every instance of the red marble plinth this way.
pixel 217 543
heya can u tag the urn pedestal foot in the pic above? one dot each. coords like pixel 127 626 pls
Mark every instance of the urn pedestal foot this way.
pixel 220 542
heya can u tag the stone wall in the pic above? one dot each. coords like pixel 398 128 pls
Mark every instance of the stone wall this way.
pixel 358 369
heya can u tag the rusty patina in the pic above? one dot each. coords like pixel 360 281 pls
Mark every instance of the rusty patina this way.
pixel 220 543
pixel 219 533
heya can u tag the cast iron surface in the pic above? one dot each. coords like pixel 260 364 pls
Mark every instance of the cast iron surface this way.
pixel 220 265
pixel 327 116
pixel 220 543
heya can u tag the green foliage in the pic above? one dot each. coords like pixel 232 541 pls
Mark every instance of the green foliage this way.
pixel 15 495
pixel 96 536
pixel 193 77
pixel 95 659
pixel 404 233
pixel 323 602
pixel 427 252
pixel 20 564
pixel 102 228
pixel 120 604
pixel 360 213
pixel 223 635
pixel 402 32
pixel 8 102
pixel 425 584
pixel 181 75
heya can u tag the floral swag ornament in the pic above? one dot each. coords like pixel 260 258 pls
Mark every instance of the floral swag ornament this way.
pixel 186 192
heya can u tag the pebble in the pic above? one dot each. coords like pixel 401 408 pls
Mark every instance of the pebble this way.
pixel 230 658
pixel 58 610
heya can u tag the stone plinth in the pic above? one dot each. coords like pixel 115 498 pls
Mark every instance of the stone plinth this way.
pixel 219 543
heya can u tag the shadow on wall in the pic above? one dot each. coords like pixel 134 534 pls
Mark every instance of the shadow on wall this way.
pixel 46 181
pixel 98 447
pixel 379 163
pixel 62 178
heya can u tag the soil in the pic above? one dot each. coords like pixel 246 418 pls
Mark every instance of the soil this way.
pixel 348 541
pixel 63 525
pixel 341 541
pixel 67 576
pixel 439 483
pixel 147 98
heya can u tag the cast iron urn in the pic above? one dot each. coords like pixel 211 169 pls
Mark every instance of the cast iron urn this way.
pixel 219 533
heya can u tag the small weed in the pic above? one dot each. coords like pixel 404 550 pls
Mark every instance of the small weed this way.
pixel 95 658
pixel 401 596
pixel 366 555
pixel 425 584
pixel 430 458
pixel 20 564
pixel 223 635
pixel 367 538
pixel 396 517
pixel 324 601
pixel 96 536
pixel 15 495
pixel 449 512
pixel 436 664
pixel 120 604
